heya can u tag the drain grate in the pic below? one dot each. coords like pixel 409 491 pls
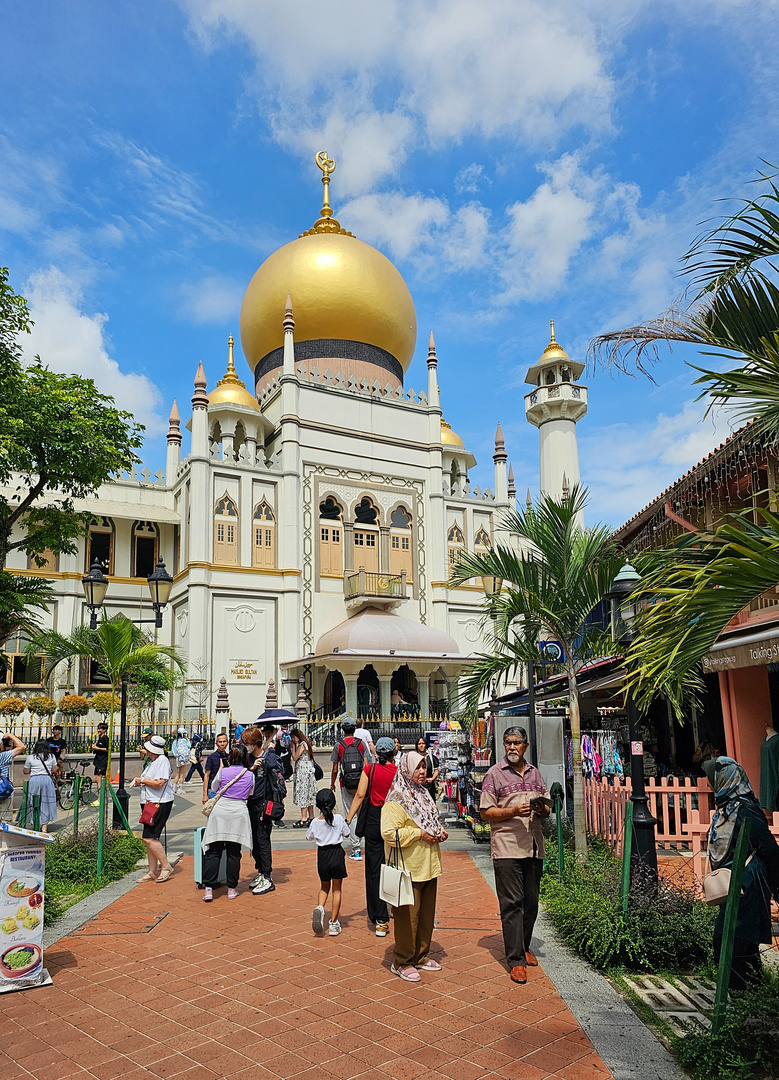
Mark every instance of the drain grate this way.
pixel 105 924
pixel 684 1003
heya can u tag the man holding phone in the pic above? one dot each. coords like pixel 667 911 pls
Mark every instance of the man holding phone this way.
pixel 514 800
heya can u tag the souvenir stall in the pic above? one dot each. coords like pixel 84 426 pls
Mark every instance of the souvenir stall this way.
pixel 464 758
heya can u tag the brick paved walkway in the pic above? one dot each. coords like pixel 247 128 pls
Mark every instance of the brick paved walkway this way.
pixel 281 1003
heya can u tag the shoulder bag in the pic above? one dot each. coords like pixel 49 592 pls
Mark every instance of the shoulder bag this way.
pixel 362 814
pixel 716 885
pixel 209 806
pixel 395 885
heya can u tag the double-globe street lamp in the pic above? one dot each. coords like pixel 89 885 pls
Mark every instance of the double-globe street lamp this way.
pixel 623 600
pixel 95 585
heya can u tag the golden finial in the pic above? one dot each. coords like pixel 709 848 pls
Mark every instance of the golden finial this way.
pixel 230 362
pixel 326 223
pixel 551 331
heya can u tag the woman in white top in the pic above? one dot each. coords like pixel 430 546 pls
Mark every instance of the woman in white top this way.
pixel 40 766
pixel 182 748
pixel 157 788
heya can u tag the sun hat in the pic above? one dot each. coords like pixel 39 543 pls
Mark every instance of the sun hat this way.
pixel 155 745
pixel 181 731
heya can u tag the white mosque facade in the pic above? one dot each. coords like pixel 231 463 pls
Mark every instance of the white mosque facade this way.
pixel 309 520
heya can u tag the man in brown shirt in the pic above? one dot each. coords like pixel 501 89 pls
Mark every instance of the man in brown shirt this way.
pixel 510 801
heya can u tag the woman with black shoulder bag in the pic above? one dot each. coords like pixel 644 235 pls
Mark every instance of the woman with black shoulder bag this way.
pixel 375 782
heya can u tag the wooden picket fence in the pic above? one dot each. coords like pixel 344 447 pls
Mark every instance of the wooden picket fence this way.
pixel 682 807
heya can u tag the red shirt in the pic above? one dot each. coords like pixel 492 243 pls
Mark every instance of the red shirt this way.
pixel 379 786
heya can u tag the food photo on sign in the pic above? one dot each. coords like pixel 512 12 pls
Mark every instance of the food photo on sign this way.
pixel 22 878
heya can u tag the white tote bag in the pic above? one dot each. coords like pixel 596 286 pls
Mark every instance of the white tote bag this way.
pixel 395 886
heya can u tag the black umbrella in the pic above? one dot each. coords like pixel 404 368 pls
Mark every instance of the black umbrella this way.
pixel 276 714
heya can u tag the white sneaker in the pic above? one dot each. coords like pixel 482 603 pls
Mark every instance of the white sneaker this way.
pixel 255 881
pixel 318 921
pixel 335 929
pixel 356 855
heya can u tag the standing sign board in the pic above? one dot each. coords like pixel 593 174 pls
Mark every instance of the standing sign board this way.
pixel 22 890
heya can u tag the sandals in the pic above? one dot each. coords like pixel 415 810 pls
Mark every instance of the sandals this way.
pixel 146 877
pixel 164 876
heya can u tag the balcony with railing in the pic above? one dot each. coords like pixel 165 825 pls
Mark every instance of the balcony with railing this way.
pixel 363 587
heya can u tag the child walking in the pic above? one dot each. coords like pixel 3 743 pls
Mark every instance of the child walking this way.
pixel 329 830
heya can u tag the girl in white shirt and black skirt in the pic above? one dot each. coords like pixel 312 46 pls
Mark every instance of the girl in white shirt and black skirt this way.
pixel 329 830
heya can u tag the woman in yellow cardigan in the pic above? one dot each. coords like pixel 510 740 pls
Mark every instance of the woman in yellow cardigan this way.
pixel 409 817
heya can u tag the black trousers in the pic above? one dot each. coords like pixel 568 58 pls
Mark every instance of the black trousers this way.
pixel 517 882
pixel 262 852
pixel 212 859
pixel 747 968
pixel 374 859
pixel 195 767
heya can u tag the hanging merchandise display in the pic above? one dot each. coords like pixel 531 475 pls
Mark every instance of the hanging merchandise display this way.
pixel 463 762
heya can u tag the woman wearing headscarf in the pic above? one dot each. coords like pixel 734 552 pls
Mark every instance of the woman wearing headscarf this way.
pixel 375 783
pixel 735 803
pixel 409 818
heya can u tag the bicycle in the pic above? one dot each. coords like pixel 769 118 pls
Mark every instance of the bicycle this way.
pixel 67 787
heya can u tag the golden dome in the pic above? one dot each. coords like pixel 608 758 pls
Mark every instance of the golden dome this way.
pixel 554 353
pixel 449 437
pixel 341 288
pixel 230 390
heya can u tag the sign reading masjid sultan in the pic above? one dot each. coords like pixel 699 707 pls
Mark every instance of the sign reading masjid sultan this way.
pixel 243 669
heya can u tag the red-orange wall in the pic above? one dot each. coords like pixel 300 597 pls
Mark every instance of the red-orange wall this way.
pixel 749 704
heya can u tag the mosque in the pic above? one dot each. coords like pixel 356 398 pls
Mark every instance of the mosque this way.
pixel 310 527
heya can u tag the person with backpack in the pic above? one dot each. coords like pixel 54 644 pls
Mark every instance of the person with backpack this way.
pixel 266 803
pixel 349 758
pixel 195 759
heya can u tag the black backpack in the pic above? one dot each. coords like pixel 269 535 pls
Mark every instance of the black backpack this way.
pixel 275 792
pixel 352 761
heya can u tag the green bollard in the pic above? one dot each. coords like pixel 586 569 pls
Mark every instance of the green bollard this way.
pixel 76 800
pixel 558 809
pixel 36 813
pixel 101 830
pixel 23 807
pixel 627 855
pixel 729 929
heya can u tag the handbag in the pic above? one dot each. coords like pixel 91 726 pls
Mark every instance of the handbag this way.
pixel 362 814
pixel 149 813
pixel 716 885
pixel 395 885
pixel 209 806
pixel 318 774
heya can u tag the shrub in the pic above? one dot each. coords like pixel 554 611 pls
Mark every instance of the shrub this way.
pixel 73 705
pixel 71 865
pixel 40 705
pixel 102 702
pixel 747 1044
pixel 665 926
pixel 12 706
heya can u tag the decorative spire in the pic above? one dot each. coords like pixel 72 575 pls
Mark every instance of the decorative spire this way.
pixel 500 446
pixel 174 425
pixel 271 700
pixel 222 700
pixel 326 223
pixel 512 486
pixel 289 321
pixel 565 486
pixel 529 500
pixel 432 359
pixel 200 397
pixel 230 377
pixel 230 361
pixel 301 708
pixel 551 332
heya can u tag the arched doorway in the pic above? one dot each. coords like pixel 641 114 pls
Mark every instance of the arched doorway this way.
pixel 368 693
pixel 334 694
pixel 404 690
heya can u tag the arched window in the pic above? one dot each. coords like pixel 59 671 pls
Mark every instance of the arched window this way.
pixel 400 542
pixel 239 438
pixel 366 536
pixel 453 476
pixel 226 532
pixel 264 537
pixel 455 542
pixel 331 536
pixel 145 538
pixel 550 376
pixel 482 539
pixel 100 544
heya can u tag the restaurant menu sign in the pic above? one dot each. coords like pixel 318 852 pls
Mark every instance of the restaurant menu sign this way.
pixel 756 654
pixel 21 917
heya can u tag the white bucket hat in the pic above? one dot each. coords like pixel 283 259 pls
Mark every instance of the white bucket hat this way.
pixel 155 745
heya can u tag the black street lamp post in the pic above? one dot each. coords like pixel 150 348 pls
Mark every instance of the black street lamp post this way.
pixel 645 843
pixel 95 585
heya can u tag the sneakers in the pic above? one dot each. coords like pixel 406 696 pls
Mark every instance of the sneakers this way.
pixel 255 881
pixel 382 929
pixel 232 894
pixel 410 974
pixel 318 921
pixel 335 929
pixel 356 855
pixel 279 825
pixel 265 885
pixel 208 895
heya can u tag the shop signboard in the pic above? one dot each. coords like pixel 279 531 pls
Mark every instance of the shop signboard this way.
pixel 754 654
pixel 22 890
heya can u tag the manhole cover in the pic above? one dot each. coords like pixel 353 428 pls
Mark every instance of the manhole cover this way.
pixel 107 924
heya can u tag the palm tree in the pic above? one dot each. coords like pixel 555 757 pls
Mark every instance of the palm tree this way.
pixel 733 314
pixel 552 581
pixel 117 645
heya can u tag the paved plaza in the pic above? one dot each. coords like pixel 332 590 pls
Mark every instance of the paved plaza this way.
pixel 160 984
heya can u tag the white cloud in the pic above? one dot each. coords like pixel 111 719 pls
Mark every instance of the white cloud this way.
pixel 469 179
pixel 212 299
pixel 70 341
pixel 401 223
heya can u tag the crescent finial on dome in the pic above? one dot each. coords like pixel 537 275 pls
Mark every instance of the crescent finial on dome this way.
pixel 326 223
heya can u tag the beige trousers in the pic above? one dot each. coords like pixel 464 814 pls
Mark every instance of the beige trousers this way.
pixel 414 925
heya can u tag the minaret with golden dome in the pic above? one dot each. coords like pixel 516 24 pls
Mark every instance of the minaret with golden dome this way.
pixel 351 305
pixel 555 405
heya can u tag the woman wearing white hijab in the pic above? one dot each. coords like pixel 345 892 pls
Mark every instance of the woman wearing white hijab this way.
pixel 409 818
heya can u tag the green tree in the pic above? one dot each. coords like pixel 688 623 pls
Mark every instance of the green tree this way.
pixel 150 685
pixel 705 579
pixel 552 580
pixel 118 646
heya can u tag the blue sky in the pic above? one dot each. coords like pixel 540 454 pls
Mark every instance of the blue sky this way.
pixel 517 160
